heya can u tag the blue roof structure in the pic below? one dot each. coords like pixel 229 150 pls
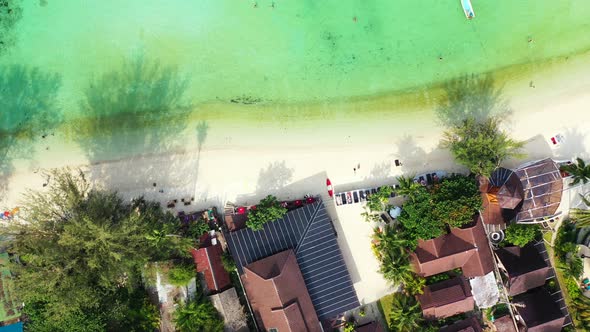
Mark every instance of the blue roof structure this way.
pixel 309 232
pixel 16 327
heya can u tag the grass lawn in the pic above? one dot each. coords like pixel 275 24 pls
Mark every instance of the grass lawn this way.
pixel 385 306
pixel 561 281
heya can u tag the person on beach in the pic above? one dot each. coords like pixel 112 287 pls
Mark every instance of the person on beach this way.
pixel 354 170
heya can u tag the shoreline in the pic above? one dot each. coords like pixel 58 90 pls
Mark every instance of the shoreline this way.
pixel 289 149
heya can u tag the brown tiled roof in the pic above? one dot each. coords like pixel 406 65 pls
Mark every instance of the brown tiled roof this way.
pixel 525 266
pixel 501 194
pixel 466 248
pixel 446 298
pixel 470 324
pixel 542 184
pixel 208 261
pixel 277 294
pixel 539 311
pixel 505 324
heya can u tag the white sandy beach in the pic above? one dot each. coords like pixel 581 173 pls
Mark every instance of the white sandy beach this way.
pixel 241 163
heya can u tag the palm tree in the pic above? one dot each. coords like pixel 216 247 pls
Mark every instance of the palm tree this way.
pixel 197 316
pixel 407 187
pixel 391 240
pixel 405 314
pixel 581 217
pixel 396 269
pixel 580 171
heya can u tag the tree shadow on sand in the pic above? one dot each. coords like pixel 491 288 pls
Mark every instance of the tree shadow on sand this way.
pixel 132 117
pixel 28 112
pixel 471 96
pixel 274 177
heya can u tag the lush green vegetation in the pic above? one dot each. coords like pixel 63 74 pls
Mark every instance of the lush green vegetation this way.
pixel 426 214
pixel 481 146
pixel 82 252
pixel 181 274
pixel 228 262
pixel 472 113
pixel 376 204
pixel 390 248
pixel 521 234
pixel 269 209
pixel 405 314
pixel 569 269
pixel 197 315
pixel 579 170
pixel 453 202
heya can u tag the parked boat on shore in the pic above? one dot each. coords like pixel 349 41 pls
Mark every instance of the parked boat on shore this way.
pixel 468 9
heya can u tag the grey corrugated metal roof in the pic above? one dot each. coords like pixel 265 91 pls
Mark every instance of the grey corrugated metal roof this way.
pixel 310 233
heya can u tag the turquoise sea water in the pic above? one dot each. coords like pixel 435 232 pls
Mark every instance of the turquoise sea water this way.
pixel 126 76
pixel 293 51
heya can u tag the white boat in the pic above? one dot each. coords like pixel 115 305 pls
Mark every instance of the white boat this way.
pixel 468 9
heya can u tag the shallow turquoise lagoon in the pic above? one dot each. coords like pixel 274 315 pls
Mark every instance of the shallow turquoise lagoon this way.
pixel 293 51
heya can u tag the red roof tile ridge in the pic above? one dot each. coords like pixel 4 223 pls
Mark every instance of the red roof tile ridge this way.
pixel 211 267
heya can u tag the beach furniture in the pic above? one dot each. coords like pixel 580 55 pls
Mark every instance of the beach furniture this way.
pixel 355 195
pixel 349 198
pixel 343 197
pixel 468 9
pixel 329 186
pixel 338 200
pixel 362 195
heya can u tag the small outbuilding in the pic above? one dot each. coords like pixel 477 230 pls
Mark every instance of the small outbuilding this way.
pixel 539 311
pixel 524 267
pixel 446 298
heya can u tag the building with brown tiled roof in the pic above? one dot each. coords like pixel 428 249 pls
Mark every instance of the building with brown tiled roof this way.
pixel 208 262
pixel 465 248
pixel 446 298
pixel 278 295
pixel 501 195
pixel 525 268
pixel 470 324
pixel 539 311
pixel 370 327
pixel 505 324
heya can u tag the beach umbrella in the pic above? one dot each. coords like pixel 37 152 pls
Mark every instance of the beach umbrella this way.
pixel 395 212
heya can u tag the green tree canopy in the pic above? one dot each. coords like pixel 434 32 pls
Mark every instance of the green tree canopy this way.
pixel 481 146
pixel 579 170
pixel 521 234
pixel 408 187
pixel 454 202
pixel 197 315
pixel 405 314
pixel 80 248
pixel 269 209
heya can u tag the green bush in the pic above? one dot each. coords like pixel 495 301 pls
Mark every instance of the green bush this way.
pixel 197 315
pixel 228 262
pixel 269 209
pixel 573 288
pixel 454 202
pixel 180 275
pixel 521 234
